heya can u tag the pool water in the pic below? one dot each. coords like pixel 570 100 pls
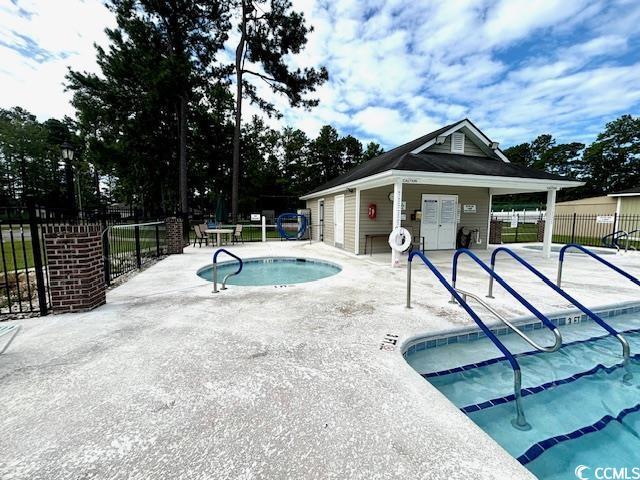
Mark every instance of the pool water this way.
pixel 272 271
pixel 582 406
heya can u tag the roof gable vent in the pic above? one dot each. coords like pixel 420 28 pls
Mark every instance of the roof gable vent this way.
pixel 457 142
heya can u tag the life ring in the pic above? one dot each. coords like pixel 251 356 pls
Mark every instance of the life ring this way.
pixel 400 239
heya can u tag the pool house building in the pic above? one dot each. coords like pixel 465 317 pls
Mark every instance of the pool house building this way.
pixel 432 186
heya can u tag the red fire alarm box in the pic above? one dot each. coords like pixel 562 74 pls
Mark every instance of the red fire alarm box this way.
pixel 372 211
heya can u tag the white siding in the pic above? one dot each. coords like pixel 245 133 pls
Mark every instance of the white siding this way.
pixel 349 219
pixel 470 148
pixel 412 195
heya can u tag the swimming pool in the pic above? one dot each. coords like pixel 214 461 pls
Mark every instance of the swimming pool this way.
pixel 272 271
pixel 582 408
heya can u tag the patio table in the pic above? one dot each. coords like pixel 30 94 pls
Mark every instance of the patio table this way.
pixel 219 232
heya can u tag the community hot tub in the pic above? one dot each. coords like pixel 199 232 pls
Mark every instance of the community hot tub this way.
pixel 272 271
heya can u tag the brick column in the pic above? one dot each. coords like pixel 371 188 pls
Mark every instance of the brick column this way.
pixel 495 232
pixel 76 269
pixel 175 239
pixel 540 236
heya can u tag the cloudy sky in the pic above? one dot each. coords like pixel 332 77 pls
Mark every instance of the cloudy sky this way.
pixel 398 68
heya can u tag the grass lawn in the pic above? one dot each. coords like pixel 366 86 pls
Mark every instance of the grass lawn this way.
pixel 526 232
pixel 119 244
pixel 7 254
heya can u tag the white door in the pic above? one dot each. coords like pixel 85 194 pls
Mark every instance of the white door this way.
pixel 430 223
pixel 338 220
pixel 448 214
pixel 438 224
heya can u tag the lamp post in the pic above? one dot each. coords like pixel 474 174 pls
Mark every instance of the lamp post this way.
pixel 67 155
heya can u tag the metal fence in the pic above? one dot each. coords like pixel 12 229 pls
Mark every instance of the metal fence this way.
pixel 614 231
pixel 519 227
pixel 24 278
pixel 249 231
pixel 129 247
pixel 621 231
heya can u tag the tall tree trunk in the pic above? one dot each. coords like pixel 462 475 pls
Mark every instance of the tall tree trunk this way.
pixel 184 206
pixel 235 175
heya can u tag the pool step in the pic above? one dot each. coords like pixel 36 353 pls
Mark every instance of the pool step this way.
pixel 560 409
pixel 610 442
pixel 493 379
pixel 608 428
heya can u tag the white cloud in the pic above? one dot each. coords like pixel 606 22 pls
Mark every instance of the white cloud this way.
pixel 62 33
pixel 397 69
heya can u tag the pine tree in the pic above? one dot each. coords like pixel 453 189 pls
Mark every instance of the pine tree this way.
pixel 160 60
pixel 269 33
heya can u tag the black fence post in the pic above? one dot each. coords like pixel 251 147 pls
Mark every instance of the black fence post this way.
pixel 37 258
pixel 186 227
pixel 105 248
pixel 573 229
pixel 137 239
pixel 157 240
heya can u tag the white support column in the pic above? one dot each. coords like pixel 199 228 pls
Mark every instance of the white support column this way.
pixel 264 228
pixel 397 222
pixel 548 224
pixel 489 219
pixel 357 227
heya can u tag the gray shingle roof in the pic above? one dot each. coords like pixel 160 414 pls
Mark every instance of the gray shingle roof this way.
pixel 401 158
pixel 628 190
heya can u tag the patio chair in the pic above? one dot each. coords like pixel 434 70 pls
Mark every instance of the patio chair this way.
pixel 237 234
pixel 200 236
pixel 203 229
pixel 11 330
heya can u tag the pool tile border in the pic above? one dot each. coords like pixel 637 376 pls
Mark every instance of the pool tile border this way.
pixel 540 447
pixel 491 361
pixel 470 335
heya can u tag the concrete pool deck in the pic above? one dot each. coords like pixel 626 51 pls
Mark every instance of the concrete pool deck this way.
pixel 168 380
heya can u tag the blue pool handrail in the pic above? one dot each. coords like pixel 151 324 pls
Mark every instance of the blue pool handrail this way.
pixel 542 317
pixel 301 229
pixel 520 421
pixel 215 269
pixel 626 246
pixel 596 318
pixel 615 236
pixel 592 255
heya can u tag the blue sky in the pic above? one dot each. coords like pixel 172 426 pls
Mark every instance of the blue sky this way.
pixel 398 68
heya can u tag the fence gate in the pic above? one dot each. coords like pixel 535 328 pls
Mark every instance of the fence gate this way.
pixel 24 287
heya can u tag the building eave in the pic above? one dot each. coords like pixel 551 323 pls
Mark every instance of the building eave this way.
pixel 623 195
pixel 504 184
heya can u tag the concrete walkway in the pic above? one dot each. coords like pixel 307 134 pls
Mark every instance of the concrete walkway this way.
pixel 170 381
